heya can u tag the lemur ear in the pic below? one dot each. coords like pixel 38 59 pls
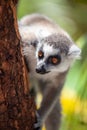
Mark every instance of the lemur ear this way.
pixel 74 52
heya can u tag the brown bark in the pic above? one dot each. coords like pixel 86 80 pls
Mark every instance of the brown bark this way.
pixel 17 108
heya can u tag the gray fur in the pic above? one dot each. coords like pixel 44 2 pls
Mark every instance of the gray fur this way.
pixel 58 40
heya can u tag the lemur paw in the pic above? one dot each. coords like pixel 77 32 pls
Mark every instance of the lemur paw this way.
pixel 38 124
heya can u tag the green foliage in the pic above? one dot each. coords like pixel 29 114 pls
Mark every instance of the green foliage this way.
pixel 77 82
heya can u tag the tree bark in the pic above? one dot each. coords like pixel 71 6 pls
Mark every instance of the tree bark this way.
pixel 17 108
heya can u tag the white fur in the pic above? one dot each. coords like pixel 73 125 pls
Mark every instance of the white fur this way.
pixel 49 50
pixel 40 33
pixel 74 52
pixel 29 32
pixel 26 34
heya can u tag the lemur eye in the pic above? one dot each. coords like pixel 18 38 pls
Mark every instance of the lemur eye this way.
pixel 54 59
pixel 40 54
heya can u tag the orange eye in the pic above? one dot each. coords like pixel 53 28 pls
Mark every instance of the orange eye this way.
pixel 40 54
pixel 54 60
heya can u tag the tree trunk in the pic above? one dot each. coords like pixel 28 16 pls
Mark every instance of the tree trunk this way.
pixel 17 108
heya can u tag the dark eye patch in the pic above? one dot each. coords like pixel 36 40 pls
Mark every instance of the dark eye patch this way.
pixel 54 60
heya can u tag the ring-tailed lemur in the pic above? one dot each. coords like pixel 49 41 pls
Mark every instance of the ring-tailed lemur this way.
pixel 49 52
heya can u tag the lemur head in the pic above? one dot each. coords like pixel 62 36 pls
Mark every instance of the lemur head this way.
pixel 55 52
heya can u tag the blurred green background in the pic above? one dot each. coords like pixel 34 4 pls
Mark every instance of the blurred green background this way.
pixel 71 15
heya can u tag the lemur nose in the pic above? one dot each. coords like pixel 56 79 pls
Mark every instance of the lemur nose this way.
pixel 41 70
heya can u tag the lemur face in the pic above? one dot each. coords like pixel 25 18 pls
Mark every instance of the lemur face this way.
pixel 55 56
pixel 47 59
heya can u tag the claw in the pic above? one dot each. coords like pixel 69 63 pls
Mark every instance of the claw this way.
pixel 38 124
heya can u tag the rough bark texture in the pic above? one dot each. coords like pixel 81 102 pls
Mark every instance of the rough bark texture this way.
pixel 17 108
